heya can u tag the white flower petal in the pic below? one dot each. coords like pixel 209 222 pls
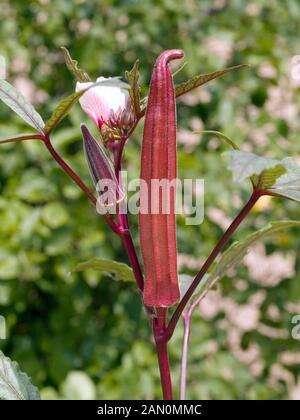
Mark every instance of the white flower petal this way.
pixel 93 105
pixel 81 86
pixel 114 82
pixel 100 101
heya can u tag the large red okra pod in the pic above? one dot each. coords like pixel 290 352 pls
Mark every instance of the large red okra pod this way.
pixel 158 231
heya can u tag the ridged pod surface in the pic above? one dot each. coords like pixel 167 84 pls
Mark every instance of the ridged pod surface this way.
pixel 158 231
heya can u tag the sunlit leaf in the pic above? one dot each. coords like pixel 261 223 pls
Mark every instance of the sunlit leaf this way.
pixel 20 105
pixel 244 165
pixel 279 177
pixel 80 74
pixel 120 271
pixel 288 185
pixel 269 177
pixel 66 104
pixel 235 254
pixel 14 384
pixel 62 110
pixel 263 172
pixel 194 82
pixel 202 79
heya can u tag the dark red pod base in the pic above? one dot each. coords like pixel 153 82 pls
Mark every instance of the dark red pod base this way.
pixel 158 231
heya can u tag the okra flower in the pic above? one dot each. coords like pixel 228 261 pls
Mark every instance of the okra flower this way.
pixel 108 105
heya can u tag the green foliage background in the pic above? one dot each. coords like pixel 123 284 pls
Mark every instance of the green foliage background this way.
pixel 82 336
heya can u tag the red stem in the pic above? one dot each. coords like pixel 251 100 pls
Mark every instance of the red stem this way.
pixel 164 368
pixel 159 327
pixel 218 248
pixel 130 249
pixel 77 180
pixel 159 323
pixel 123 224
pixel 122 229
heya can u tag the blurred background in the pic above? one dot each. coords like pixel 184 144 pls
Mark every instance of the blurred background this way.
pixel 86 336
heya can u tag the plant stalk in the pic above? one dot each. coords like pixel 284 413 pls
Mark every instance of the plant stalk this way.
pixel 215 252
pixel 184 355
pixel 164 368
pixel 77 180
pixel 159 326
pixel 135 265
pixel 123 225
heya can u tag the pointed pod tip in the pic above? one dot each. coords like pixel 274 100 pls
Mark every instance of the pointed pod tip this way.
pixel 88 139
pixel 169 55
pixel 83 127
pixel 85 132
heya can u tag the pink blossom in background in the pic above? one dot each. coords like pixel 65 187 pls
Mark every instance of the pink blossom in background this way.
pixel 222 48
pixel 219 217
pixel 269 270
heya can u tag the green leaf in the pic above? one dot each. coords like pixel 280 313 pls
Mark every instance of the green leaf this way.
pixel 236 252
pixel 17 137
pixel 62 110
pixel 14 384
pixel 202 79
pixel 262 171
pixel 269 176
pixel 193 83
pixel 288 185
pixel 279 177
pixel 221 136
pixel 66 104
pixel 120 271
pixel 72 65
pixel 240 165
pixel 265 179
pixel 132 77
pixel 20 105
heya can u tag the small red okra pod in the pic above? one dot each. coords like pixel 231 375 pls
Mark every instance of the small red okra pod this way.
pixel 158 228
pixel 101 171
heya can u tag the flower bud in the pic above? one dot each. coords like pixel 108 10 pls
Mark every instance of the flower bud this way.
pixel 108 106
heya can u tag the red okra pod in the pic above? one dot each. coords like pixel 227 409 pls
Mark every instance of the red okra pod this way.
pixel 101 172
pixel 158 224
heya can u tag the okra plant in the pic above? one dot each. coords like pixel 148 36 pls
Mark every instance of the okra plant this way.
pixel 116 108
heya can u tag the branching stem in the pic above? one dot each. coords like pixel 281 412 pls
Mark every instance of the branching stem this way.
pixel 215 252
pixel 63 164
